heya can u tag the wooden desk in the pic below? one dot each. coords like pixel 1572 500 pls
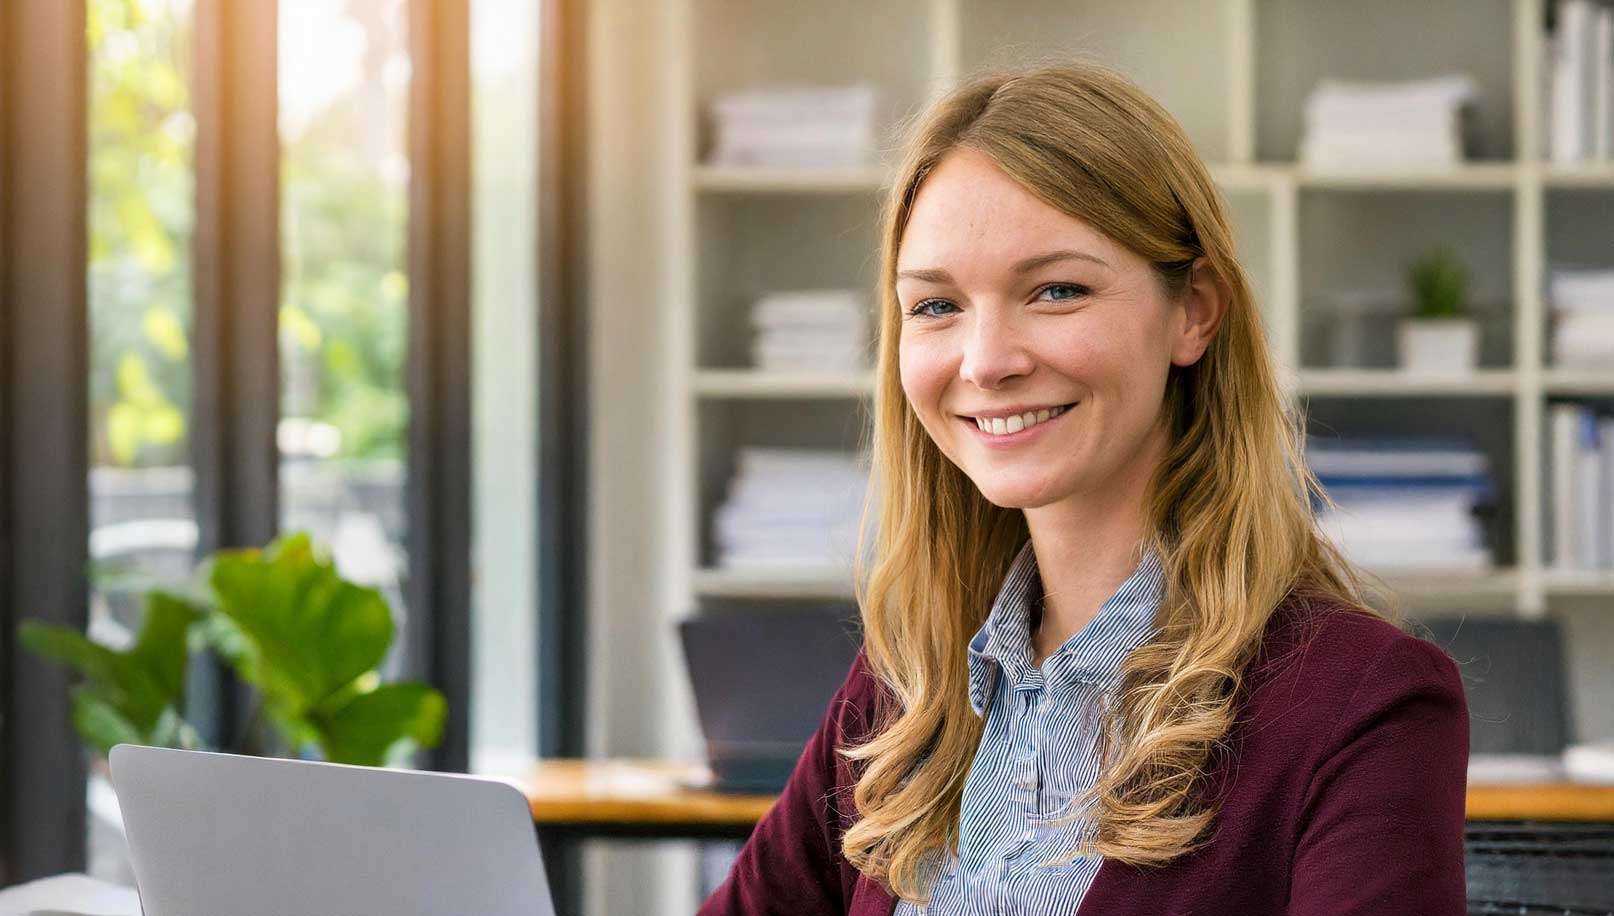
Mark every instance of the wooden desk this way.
pixel 1554 801
pixel 574 800
pixel 651 796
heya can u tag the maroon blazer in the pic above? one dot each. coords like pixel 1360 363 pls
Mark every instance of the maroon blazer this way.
pixel 1342 788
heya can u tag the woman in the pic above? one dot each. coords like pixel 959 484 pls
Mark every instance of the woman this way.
pixel 1109 666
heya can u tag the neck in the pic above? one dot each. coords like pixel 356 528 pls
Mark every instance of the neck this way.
pixel 1086 547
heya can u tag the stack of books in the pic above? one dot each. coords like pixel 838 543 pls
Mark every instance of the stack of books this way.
pixel 1379 126
pixel 1582 476
pixel 1582 318
pixel 1578 66
pixel 791 508
pixel 811 330
pixel 795 127
pixel 1403 505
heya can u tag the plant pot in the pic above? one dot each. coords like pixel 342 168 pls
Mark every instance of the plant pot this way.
pixel 1438 345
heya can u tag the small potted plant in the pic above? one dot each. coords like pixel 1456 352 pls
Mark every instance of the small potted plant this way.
pixel 1440 336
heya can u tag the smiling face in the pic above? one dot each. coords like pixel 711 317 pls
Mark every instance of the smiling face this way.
pixel 1034 349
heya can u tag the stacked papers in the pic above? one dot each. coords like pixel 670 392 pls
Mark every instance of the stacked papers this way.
pixel 1415 124
pixel 795 127
pixel 1582 318
pixel 811 331
pixel 791 507
pixel 1405 504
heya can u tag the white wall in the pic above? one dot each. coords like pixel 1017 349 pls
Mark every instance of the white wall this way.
pixel 631 647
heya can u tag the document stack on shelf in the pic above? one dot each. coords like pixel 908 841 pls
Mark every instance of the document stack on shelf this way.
pixel 1381 126
pixel 1405 505
pixel 1582 318
pixel 814 330
pixel 795 127
pixel 791 508
pixel 1582 454
pixel 1578 65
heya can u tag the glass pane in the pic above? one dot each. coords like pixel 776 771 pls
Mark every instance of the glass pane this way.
pixel 141 207
pixel 344 79
pixel 504 711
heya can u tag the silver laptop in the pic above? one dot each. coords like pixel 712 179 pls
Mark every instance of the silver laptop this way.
pixel 222 835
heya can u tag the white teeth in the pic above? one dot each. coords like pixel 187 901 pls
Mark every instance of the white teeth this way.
pixel 1002 426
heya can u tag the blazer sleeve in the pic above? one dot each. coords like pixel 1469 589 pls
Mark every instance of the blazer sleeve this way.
pixel 1382 830
pixel 791 863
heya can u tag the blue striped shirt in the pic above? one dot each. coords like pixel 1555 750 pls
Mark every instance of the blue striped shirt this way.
pixel 1039 751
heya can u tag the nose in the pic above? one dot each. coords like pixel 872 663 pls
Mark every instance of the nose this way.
pixel 994 352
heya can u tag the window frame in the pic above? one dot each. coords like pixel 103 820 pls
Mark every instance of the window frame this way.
pixel 236 275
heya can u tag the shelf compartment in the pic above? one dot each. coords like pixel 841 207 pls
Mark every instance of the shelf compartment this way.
pixel 750 44
pixel 1359 244
pixel 1487 422
pixel 1476 37
pixel 756 244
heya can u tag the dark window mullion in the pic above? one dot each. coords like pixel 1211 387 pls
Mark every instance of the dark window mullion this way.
pixel 438 487
pixel 562 383
pixel 236 401
pixel 44 321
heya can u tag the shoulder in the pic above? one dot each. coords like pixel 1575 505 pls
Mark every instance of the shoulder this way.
pixel 1328 664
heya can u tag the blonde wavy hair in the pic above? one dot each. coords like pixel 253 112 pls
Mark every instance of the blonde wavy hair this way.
pixel 1229 508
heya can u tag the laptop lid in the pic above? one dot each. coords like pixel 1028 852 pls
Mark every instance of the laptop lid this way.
pixel 222 835
pixel 762 682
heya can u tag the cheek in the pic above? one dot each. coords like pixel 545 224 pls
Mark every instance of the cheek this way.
pixel 923 370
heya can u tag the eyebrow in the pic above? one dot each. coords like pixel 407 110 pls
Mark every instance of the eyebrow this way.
pixel 937 275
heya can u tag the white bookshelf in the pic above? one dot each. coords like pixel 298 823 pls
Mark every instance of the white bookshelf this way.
pixel 738 230
pixel 1236 73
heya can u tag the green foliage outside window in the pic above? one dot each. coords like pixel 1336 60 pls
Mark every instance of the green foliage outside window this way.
pixel 342 325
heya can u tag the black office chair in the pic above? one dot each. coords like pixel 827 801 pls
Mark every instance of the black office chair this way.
pixel 1513 674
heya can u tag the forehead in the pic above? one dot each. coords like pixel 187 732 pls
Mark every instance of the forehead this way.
pixel 970 212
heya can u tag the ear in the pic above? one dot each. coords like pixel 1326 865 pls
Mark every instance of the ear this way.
pixel 1204 303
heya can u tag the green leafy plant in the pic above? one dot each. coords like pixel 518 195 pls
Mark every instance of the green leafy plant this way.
pixel 308 641
pixel 1439 282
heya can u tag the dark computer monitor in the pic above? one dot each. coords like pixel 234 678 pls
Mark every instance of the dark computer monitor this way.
pixel 762 680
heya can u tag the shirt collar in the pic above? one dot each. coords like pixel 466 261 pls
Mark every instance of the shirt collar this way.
pixel 1093 656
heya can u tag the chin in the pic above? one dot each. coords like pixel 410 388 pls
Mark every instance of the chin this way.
pixel 1016 494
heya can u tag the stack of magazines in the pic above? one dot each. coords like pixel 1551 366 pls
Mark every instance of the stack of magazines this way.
pixel 1405 504
pixel 1415 124
pixel 1582 318
pixel 791 508
pixel 795 127
pixel 813 330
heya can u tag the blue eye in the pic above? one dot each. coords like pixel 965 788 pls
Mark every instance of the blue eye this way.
pixel 1060 292
pixel 921 308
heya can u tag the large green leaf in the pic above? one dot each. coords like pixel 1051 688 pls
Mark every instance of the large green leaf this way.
pixel 365 730
pixel 307 632
pixel 132 695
